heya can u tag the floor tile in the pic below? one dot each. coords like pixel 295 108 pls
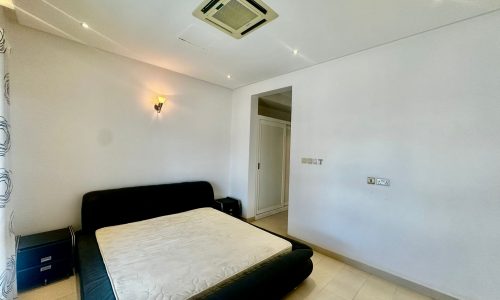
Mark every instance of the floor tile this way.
pixel 276 223
pixel 376 289
pixel 308 289
pixel 325 294
pixel 69 297
pixel 405 294
pixel 346 283
pixel 63 289
pixel 323 272
pixel 317 257
pixel 331 264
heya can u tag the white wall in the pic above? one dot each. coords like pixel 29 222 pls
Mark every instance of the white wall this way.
pixel 423 112
pixel 82 120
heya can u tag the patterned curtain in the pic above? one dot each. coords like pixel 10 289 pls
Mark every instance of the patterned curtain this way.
pixel 7 236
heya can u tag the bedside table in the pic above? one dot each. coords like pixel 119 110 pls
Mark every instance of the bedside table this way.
pixel 229 206
pixel 44 257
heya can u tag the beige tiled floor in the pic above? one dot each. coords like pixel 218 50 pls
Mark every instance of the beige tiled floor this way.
pixel 61 290
pixel 335 280
pixel 330 279
pixel 276 223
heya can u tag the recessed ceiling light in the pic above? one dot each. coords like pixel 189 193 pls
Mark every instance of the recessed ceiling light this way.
pixel 228 76
pixel 295 51
pixel 85 25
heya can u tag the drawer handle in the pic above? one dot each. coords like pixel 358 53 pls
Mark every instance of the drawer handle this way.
pixel 45 259
pixel 46 268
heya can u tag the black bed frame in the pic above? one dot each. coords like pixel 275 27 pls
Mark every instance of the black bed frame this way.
pixel 104 208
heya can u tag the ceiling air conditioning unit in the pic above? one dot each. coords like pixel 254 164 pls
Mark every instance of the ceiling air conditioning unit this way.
pixel 235 17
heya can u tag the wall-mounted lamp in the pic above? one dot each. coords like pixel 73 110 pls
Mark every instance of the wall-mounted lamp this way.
pixel 159 100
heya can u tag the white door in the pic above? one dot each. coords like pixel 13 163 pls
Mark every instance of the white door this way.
pixel 271 166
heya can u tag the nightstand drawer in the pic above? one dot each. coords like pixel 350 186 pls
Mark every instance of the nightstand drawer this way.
pixel 43 274
pixel 44 254
pixel 44 257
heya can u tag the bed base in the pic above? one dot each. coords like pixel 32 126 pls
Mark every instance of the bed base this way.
pixel 272 280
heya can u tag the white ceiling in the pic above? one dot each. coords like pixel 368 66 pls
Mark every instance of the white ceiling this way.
pixel 148 30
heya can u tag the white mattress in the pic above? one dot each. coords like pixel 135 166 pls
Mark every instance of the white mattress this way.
pixel 179 256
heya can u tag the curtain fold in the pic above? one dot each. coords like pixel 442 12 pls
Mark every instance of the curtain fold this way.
pixel 7 236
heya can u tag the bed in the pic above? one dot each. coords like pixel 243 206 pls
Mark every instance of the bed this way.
pixel 271 279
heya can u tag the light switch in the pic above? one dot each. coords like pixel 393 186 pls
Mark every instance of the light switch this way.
pixel 312 161
pixel 383 181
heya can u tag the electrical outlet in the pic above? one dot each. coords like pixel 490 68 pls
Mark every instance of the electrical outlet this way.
pixel 371 180
pixel 383 181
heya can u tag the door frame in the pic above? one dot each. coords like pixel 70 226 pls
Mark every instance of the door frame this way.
pixel 283 206
pixel 251 189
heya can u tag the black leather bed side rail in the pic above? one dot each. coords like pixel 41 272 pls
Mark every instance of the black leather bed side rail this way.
pixel 94 281
pixel 273 280
pixel 125 205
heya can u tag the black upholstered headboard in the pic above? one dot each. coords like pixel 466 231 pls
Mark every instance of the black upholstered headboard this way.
pixel 131 204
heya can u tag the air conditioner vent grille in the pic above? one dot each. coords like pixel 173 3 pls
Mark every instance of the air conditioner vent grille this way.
pixel 234 14
pixel 209 6
pixel 258 6
pixel 218 26
pixel 235 17
pixel 254 26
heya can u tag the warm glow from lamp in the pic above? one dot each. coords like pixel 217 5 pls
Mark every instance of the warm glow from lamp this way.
pixel 159 101
pixel 7 3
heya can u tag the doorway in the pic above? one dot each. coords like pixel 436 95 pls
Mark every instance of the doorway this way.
pixel 272 152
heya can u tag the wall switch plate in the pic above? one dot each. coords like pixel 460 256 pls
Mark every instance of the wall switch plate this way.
pixel 306 160
pixel 370 180
pixel 383 181
pixel 312 161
